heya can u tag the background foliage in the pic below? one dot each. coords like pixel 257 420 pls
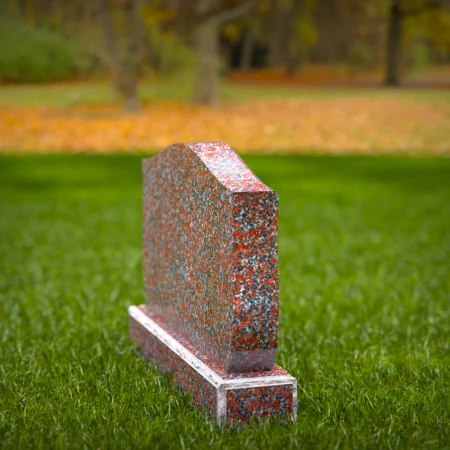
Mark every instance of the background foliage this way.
pixel 29 53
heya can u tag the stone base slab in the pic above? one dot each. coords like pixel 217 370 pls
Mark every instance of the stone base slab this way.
pixel 231 398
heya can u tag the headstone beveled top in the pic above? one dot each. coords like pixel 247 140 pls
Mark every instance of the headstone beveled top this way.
pixel 210 254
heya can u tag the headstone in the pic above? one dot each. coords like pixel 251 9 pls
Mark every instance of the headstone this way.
pixel 211 282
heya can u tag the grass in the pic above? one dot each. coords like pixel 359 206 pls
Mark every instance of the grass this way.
pixel 365 317
pixel 67 94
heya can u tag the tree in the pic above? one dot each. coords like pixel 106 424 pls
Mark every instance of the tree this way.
pixel 291 33
pixel 248 43
pixel 211 17
pixel 124 61
pixel 393 50
pixel 397 15
pixel 276 27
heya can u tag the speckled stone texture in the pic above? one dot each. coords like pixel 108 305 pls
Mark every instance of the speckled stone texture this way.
pixel 211 279
pixel 231 398
pixel 210 253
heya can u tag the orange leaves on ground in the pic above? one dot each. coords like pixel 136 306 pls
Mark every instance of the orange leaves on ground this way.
pixel 332 125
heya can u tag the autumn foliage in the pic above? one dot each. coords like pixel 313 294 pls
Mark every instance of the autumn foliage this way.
pixel 328 124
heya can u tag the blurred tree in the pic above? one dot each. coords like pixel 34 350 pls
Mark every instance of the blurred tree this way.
pixel 210 17
pixel 301 34
pixel 338 25
pixel 124 55
pixel 248 44
pixel 430 34
pixel 276 21
pixel 292 32
pixel 398 11
pixel 189 39
pixel 249 40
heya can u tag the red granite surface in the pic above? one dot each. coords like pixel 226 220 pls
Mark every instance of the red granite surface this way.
pixel 210 254
pixel 217 368
pixel 187 379
pixel 265 401
pixel 241 404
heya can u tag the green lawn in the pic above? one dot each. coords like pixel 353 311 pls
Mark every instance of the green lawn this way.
pixel 69 94
pixel 365 307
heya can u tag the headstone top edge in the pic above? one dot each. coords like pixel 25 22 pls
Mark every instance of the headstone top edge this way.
pixel 224 163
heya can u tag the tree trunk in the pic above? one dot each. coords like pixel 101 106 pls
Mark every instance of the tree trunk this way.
pixel 207 50
pixel 276 32
pixel 124 71
pixel 183 17
pixel 393 50
pixel 293 49
pixel 207 47
pixel 248 44
pixel 131 100
pixel 59 17
pixel 292 64
pixel 139 38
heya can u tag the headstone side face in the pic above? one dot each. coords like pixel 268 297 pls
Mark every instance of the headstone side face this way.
pixel 255 275
pixel 210 254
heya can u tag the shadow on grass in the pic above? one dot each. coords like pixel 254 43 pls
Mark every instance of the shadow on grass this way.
pixel 46 172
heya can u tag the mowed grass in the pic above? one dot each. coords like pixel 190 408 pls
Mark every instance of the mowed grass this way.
pixel 68 94
pixel 364 247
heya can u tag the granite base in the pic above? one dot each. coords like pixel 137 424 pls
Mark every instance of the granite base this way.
pixel 232 399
